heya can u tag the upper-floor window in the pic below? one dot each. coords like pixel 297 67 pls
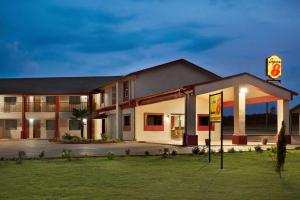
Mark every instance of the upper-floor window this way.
pixel 114 94
pixel 11 124
pixel 50 100
pixel 125 90
pixel 10 100
pixel 74 99
pixel 102 98
pixel 74 124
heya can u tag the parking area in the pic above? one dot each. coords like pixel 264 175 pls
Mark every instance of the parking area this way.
pixel 10 148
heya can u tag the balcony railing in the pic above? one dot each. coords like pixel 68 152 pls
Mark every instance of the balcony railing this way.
pixel 41 107
pixel 11 107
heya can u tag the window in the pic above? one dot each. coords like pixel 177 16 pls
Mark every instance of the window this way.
pixel 74 99
pixel 11 124
pixel 10 100
pixel 102 98
pixel 50 125
pixel 51 100
pixel 74 125
pixel 125 91
pixel 127 123
pixel 203 120
pixel 113 94
pixel 154 122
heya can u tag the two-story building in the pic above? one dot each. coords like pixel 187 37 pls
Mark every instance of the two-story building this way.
pixel 167 103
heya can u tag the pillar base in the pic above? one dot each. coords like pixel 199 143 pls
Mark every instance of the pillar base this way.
pixel 190 140
pixel 239 139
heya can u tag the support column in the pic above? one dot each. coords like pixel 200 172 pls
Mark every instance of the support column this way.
pixel 283 115
pixel 90 130
pixel 190 137
pixel 119 134
pixel 24 133
pixel 299 124
pixel 239 135
pixel 57 110
pixel 31 128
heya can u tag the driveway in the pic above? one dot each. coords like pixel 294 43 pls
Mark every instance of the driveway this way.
pixel 10 148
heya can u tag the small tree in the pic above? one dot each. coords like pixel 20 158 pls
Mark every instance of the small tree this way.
pixel 80 115
pixel 281 149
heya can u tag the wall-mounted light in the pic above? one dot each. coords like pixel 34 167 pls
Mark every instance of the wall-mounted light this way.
pixel 243 90
pixel 31 120
pixel 84 120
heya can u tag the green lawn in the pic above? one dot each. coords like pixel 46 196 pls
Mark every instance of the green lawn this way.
pixel 247 175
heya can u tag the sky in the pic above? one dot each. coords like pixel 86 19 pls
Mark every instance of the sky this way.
pixel 41 38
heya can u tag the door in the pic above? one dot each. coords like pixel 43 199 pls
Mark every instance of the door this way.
pixel 36 128
pixel 37 103
pixel 177 126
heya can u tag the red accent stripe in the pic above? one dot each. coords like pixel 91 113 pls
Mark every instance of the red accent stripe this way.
pixel 254 100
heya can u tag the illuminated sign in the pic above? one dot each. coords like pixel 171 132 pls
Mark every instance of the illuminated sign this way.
pixel 273 67
pixel 215 107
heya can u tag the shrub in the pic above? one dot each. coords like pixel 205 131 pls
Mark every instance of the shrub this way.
pixel 166 153
pixel 297 148
pixel 174 152
pixel 21 156
pixel 66 154
pixel 104 137
pixel 127 152
pixel 281 150
pixel 196 150
pixel 110 155
pixel 42 155
pixel 147 153
pixel 203 150
pixel 258 149
pixel 264 141
pixel 231 150
pixel 250 149
pixel 273 149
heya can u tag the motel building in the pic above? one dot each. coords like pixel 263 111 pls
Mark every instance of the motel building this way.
pixel 167 104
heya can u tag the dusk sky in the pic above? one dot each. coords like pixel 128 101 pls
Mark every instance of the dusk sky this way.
pixel 41 38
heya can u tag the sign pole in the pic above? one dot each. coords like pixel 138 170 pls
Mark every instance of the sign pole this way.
pixel 222 130
pixel 209 135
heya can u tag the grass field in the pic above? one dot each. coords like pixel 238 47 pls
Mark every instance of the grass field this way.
pixel 247 175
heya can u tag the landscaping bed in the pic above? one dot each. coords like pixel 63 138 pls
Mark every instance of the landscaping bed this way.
pixel 69 139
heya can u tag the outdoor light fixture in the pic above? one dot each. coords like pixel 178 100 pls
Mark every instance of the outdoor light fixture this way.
pixel 31 120
pixel 84 120
pixel 243 90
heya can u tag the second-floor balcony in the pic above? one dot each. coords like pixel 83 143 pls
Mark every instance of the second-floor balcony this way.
pixel 41 107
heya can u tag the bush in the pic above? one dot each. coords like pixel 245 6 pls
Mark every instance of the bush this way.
pixel 196 150
pixel 104 137
pixel 258 149
pixel 202 151
pixel 127 152
pixel 174 152
pixel 166 153
pixel 297 148
pixel 110 155
pixel 21 157
pixel 231 150
pixel 264 141
pixel 42 155
pixel 250 149
pixel 147 153
pixel 281 150
pixel 66 154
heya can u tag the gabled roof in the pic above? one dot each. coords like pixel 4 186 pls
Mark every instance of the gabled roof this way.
pixel 53 85
pixel 179 61
pixel 295 108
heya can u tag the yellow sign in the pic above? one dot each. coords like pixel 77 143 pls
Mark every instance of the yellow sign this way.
pixel 273 67
pixel 215 105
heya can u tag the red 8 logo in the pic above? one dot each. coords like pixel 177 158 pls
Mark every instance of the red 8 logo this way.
pixel 275 70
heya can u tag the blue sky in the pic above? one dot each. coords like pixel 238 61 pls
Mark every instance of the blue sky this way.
pixel 94 37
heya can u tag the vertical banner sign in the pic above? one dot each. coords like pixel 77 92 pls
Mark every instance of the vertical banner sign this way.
pixel 215 116
pixel 273 67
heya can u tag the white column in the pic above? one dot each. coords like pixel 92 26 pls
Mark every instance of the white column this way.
pixel 283 115
pixel 85 130
pixel 31 128
pixel 190 114
pixel 43 129
pixel 239 111
pixel 118 111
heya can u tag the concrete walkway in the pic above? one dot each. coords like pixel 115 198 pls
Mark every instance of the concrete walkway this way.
pixel 10 148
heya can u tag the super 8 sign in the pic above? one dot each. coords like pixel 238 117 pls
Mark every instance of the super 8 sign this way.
pixel 273 67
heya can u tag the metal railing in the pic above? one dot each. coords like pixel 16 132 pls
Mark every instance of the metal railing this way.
pixel 11 107
pixel 41 107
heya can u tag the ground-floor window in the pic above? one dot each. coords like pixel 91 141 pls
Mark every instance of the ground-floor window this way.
pixel 50 125
pixel 203 123
pixel 11 124
pixel 154 122
pixel 127 123
pixel 74 125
